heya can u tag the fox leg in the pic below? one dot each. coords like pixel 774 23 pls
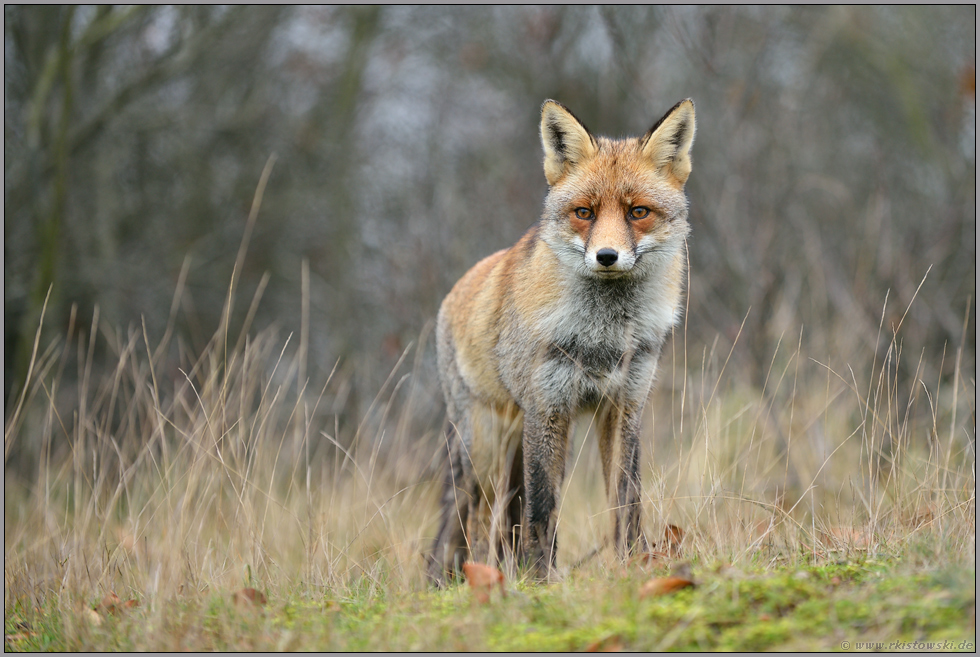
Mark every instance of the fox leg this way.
pixel 460 499
pixel 489 452
pixel 545 443
pixel 449 549
pixel 511 543
pixel 619 449
pixel 478 525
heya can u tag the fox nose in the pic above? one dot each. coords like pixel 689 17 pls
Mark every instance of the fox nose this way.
pixel 606 257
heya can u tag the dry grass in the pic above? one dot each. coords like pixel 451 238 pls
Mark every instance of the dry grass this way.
pixel 176 474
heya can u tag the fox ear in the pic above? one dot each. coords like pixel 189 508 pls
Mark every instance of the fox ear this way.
pixel 668 142
pixel 567 142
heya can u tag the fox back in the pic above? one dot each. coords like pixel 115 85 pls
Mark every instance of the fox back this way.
pixel 572 318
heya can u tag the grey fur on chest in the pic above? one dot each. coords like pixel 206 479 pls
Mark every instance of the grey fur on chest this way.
pixel 606 324
pixel 577 375
pixel 601 348
pixel 614 303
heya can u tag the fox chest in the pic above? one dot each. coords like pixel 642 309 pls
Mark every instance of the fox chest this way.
pixel 577 372
pixel 604 343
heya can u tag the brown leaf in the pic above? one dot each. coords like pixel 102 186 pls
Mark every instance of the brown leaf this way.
pixel 608 644
pixel 673 536
pixel 249 596
pixel 664 585
pixel 481 579
pixel 671 543
pixel 109 605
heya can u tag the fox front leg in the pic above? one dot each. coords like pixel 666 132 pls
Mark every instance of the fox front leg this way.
pixel 619 449
pixel 545 442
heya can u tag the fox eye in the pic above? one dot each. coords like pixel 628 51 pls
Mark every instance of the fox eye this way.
pixel 640 212
pixel 583 213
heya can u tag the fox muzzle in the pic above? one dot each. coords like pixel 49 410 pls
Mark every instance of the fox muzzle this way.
pixel 607 257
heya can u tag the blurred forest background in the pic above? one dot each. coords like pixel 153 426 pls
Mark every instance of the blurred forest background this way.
pixel 835 163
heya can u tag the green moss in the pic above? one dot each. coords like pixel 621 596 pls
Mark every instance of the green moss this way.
pixel 781 608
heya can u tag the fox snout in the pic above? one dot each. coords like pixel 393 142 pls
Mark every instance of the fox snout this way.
pixel 610 262
pixel 607 236
pixel 607 257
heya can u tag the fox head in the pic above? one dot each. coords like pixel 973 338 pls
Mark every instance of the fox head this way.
pixel 616 207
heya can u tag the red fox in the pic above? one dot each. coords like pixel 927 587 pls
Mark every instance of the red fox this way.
pixel 570 319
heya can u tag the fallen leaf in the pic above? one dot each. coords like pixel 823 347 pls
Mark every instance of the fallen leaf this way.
pixel 481 579
pixel 608 644
pixel 110 599
pixel 109 605
pixel 673 536
pixel 664 585
pixel 671 543
pixel 680 578
pixel 249 596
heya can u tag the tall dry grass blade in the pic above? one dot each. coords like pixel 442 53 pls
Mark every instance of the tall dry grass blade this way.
pixel 13 423
pixel 250 315
pixel 172 315
pixel 957 372
pixel 253 213
pixel 792 412
pixel 304 324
